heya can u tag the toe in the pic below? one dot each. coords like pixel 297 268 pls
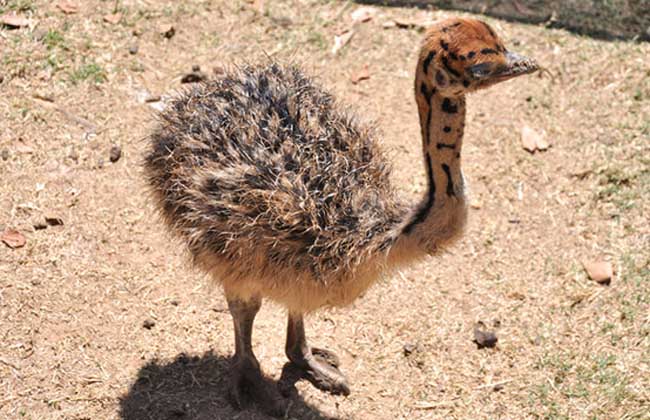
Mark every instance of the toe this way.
pixel 328 378
pixel 326 356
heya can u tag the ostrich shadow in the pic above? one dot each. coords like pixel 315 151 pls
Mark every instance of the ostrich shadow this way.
pixel 197 388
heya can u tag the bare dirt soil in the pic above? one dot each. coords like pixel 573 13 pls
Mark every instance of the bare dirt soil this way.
pixel 101 317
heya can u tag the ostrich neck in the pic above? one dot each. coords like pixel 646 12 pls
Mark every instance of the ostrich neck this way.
pixel 442 122
pixel 440 216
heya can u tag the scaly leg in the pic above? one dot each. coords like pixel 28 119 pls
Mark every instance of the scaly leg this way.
pixel 320 366
pixel 246 374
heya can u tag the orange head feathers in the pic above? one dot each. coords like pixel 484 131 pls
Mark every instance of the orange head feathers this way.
pixel 459 56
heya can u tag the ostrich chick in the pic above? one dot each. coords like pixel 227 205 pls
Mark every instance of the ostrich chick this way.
pixel 280 193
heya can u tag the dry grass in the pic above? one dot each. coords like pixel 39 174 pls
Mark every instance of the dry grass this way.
pixel 74 299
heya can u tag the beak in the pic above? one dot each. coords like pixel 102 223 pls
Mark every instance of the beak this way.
pixel 515 65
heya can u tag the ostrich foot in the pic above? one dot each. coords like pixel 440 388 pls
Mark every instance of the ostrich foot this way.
pixel 326 356
pixel 320 367
pixel 248 383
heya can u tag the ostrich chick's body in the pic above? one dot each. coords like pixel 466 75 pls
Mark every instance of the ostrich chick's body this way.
pixel 281 194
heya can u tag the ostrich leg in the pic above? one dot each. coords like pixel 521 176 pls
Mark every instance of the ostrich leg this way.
pixel 246 374
pixel 320 366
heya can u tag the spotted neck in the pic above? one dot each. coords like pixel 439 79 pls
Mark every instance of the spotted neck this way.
pixel 440 216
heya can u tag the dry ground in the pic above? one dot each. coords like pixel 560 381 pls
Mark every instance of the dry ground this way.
pixel 74 299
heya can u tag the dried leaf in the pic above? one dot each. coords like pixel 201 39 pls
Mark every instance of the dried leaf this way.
pixel 528 139
pixel 12 238
pixel 542 144
pixel 67 7
pixel 341 40
pixel 14 20
pixel 113 19
pixel 152 98
pixel 363 14
pixel 362 74
pixel 532 140
pixel 599 271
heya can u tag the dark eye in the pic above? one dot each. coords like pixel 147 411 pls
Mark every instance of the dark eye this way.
pixel 479 71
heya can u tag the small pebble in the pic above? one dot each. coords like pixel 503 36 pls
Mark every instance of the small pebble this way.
pixel 100 163
pixel 2 78
pixel 74 155
pixel 195 76
pixel 410 348
pixel 484 338
pixel 53 221
pixel 40 225
pixel 5 154
pixel 168 31
pixel 133 49
pixel 148 324
pixel 115 154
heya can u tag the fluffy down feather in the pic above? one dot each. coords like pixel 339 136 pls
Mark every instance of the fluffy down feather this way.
pixel 261 172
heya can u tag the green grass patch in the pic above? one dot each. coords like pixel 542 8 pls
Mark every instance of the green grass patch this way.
pixel 318 40
pixel 54 39
pixel 92 72
pixel 622 187
pixel 568 377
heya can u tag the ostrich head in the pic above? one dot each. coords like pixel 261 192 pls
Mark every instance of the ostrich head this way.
pixel 460 56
